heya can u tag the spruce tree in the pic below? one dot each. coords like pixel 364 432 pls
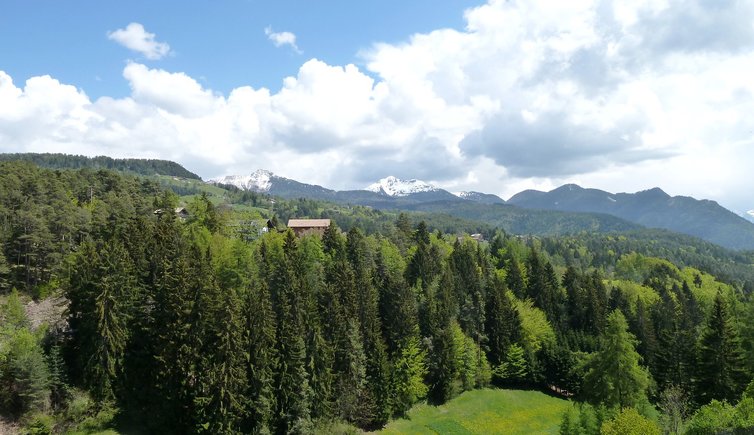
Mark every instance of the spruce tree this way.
pixel 468 289
pixel 514 277
pixel 262 360
pixel 503 324
pixel 720 373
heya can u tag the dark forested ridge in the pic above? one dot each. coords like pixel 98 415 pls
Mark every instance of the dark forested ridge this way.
pixel 136 166
pixel 652 208
pixel 204 314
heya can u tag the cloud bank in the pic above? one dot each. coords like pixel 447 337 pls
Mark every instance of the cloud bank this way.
pixel 530 94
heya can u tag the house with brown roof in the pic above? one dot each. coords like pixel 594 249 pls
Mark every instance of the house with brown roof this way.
pixel 303 227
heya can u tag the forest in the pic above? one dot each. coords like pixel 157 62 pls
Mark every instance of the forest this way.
pixel 197 325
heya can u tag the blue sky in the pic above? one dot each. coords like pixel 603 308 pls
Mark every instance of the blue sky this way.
pixel 222 43
pixel 496 96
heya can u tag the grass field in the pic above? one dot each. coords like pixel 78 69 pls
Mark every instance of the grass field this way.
pixel 485 412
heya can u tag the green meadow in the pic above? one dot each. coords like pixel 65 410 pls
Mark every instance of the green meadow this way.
pixel 488 411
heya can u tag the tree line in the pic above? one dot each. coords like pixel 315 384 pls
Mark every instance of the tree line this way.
pixel 204 332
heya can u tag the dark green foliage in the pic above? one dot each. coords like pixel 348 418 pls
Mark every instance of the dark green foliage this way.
pixel 24 373
pixel 137 166
pixel 720 373
pixel 207 330
pixel 262 359
pixel 503 325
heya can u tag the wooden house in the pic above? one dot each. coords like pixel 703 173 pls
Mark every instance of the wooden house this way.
pixel 303 227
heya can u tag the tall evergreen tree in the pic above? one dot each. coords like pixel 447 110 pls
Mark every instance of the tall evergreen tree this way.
pixel 262 360
pixel 514 277
pixel 469 289
pixel 503 323
pixel 720 373
pixel 614 376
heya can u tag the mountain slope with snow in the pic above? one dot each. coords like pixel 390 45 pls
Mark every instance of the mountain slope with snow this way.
pixel 393 186
pixel 259 181
pixel 484 198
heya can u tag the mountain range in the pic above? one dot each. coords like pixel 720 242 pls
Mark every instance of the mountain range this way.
pixel 566 210
pixel 569 208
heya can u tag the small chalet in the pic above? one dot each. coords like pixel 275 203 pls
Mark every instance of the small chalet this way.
pixel 182 213
pixel 478 237
pixel 303 227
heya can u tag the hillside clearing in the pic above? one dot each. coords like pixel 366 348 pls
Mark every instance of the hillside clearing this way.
pixel 488 411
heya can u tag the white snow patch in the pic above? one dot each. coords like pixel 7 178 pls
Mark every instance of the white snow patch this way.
pixel 393 186
pixel 259 181
pixel 612 199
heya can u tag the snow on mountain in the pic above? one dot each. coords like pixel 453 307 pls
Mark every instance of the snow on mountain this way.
pixel 749 215
pixel 392 186
pixel 259 181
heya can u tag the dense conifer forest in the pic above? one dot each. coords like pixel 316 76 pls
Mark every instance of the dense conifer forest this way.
pixel 223 321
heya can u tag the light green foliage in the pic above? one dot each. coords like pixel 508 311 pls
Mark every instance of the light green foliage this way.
pixel 472 368
pixel 514 368
pixel 636 267
pixel 633 292
pixel 743 418
pixel 408 375
pixel 710 419
pixel 705 286
pixel 614 376
pixel 584 419
pixel 535 328
pixel 485 411
pixel 630 422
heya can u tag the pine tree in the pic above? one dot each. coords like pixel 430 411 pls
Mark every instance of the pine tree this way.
pixel 720 373
pixel 220 399
pixel 614 376
pixel 350 381
pixel 503 325
pixel 100 292
pixel 294 392
pixel 398 307
pixel 468 290
pixel 676 354
pixel 442 366
pixel 514 277
pixel 374 347
pixel 408 375
pixel 262 361
pixel 425 264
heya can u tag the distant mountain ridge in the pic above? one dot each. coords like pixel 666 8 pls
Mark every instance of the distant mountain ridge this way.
pixel 651 208
pixel 484 198
pixel 137 166
pixel 571 208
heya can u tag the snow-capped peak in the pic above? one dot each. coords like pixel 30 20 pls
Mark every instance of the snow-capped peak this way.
pixel 393 186
pixel 466 195
pixel 750 213
pixel 259 181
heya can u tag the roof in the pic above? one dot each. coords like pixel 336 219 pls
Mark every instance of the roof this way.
pixel 308 223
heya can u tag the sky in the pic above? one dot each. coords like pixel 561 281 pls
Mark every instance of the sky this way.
pixel 495 97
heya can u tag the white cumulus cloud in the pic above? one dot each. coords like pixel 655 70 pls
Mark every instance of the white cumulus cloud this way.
pixel 136 38
pixel 280 39
pixel 530 94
